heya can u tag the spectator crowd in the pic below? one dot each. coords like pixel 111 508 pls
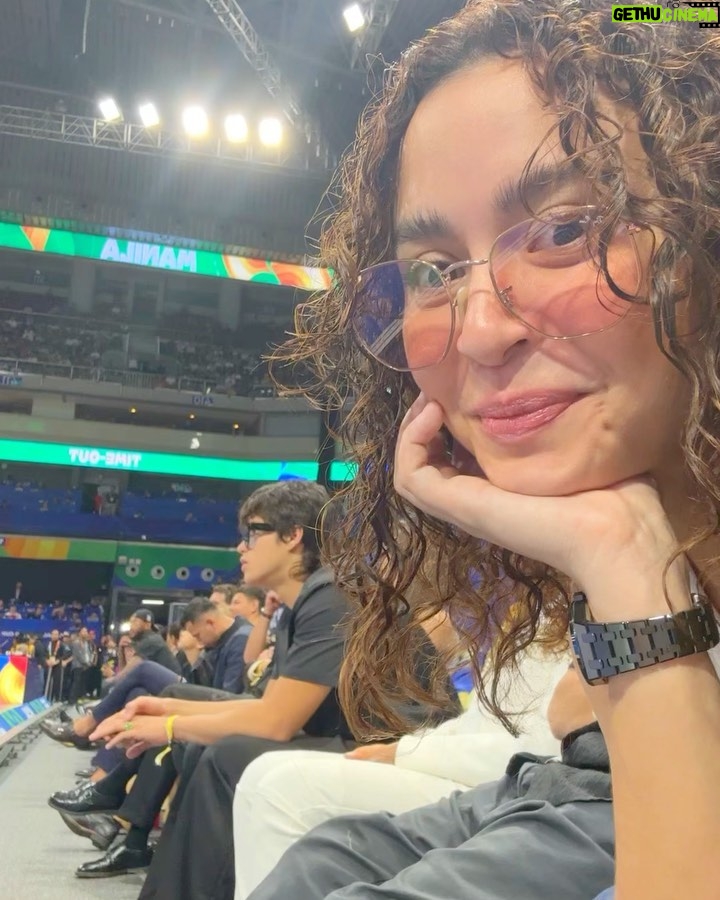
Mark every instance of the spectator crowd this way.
pixel 190 350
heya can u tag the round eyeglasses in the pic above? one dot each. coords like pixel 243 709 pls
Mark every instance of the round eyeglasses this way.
pixel 564 274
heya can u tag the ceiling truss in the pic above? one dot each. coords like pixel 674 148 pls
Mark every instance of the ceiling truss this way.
pixel 88 131
pixel 231 16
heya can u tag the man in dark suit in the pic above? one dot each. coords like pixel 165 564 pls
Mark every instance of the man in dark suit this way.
pixel 50 657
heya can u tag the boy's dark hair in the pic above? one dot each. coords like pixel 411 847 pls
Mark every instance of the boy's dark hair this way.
pixel 257 593
pixel 287 505
pixel 197 607
pixel 174 631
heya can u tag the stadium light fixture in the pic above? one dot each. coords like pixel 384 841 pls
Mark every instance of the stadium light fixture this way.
pixel 354 17
pixel 148 602
pixel 195 121
pixel 236 128
pixel 271 132
pixel 149 115
pixel 109 109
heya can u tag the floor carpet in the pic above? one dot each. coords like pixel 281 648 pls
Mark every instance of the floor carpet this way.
pixel 39 853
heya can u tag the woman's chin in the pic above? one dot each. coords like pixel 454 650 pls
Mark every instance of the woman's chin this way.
pixel 522 479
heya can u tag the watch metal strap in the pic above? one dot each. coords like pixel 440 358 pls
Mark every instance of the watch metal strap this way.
pixel 604 649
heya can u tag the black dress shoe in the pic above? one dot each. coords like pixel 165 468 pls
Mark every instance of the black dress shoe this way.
pixel 118 861
pixel 101 828
pixel 84 799
pixel 63 733
pixel 84 774
pixel 74 793
pixel 64 717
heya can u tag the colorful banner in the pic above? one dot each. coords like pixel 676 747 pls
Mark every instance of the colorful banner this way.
pixel 137 565
pixel 130 460
pixel 155 566
pixel 19 546
pixel 162 256
pixel 13 672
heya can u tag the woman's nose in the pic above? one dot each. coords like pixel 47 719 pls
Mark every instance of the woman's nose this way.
pixel 487 331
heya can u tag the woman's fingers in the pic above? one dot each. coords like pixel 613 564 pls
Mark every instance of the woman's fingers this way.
pixel 425 476
pixel 424 473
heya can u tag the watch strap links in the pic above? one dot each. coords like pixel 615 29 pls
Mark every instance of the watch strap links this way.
pixel 605 649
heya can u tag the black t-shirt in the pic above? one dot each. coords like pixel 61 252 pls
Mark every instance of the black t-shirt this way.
pixel 150 645
pixel 310 645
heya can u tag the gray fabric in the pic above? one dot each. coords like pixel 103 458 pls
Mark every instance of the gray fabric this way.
pixel 583 774
pixel 82 653
pixel 499 841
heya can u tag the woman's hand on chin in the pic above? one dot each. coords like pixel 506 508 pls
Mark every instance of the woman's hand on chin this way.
pixel 588 536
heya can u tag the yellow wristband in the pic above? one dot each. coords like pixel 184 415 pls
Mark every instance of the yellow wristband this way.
pixel 169 726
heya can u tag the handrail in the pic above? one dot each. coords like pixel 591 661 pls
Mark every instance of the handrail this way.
pixel 126 377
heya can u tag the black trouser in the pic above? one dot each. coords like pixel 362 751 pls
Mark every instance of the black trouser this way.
pixel 54 678
pixel 79 684
pixel 153 782
pixel 93 681
pixel 194 859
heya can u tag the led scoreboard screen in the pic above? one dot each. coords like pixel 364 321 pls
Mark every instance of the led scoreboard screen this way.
pixel 131 460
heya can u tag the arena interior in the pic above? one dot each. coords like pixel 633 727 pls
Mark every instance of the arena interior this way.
pixel 162 179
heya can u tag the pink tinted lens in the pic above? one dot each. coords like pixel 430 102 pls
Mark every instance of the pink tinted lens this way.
pixel 550 276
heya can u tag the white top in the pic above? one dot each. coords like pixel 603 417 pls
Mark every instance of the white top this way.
pixel 474 748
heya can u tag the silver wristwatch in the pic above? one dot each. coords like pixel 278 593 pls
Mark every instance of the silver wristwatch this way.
pixel 604 649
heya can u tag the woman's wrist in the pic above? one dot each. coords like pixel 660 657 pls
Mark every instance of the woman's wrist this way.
pixel 639 591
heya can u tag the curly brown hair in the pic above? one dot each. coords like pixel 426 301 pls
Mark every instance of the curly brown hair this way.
pixel 573 53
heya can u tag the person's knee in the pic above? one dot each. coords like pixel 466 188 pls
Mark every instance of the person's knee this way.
pixel 311 779
pixel 138 673
pixel 176 689
pixel 259 771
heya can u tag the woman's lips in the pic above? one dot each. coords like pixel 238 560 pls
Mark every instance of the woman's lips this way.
pixel 514 426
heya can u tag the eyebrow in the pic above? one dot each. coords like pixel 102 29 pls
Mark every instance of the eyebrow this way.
pixel 510 195
pixel 538 182
pixel 421 226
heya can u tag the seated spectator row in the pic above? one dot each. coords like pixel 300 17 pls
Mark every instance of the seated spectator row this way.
pixel 203 350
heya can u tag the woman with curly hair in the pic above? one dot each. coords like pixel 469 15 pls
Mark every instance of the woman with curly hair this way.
pixel 524 326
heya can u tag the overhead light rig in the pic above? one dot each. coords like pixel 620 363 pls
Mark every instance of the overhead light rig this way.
pixel 152 139
pixel 368 23
pixel 233 19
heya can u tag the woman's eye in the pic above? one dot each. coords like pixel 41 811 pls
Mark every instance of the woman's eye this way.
pixel 567 232
pixel 426 274
pixel 558 235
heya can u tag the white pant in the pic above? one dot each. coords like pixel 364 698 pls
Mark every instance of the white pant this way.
pixel 282 795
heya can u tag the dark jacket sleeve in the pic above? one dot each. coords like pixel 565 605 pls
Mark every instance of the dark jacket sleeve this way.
pixel 233 664
pixel 41 654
